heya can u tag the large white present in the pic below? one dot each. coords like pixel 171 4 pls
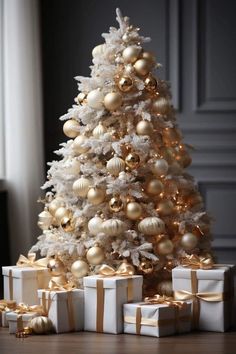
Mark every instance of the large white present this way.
pixel 211 294
pixel 104 300
pixel 157 320
pixel 18 321
pixel 64 308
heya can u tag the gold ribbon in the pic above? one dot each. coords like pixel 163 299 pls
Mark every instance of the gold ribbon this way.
pixel 22 309
pixel 122 270
pixel 197 262
pixel 30 261
pixel 10 283
pixel 7 305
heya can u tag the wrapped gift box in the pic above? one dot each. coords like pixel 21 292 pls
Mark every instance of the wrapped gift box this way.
pixel 211 294
pixel 18 321
pixel 104 300
pixel 5 307
pixel 65 309
pixel 156 320
pixel 21 283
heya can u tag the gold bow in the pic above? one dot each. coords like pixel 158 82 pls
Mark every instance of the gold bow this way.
pixel 30 261
pixel 54 286
pixel 164 300
pixel 197 262
pixel 7 305
pixel 22 308
pixel 122 270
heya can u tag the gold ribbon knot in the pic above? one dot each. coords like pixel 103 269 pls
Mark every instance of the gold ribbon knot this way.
pixel 197 262
pixel 30 261
pixel 122 270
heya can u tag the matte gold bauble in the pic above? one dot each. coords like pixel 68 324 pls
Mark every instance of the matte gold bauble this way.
pixel 151 226
pixel 71 128
pixel 165 247
pixel 96 195
pixel 144 128
pixel 115 165
pixel 150 57
pixel 95 99
pixel 113 227
pixel 113 101
pixel 171 136
pixel 95 255
pixel 154 187
pixel 160 167
pixel 165 207
pixel 99 131
pixel 164 287
pixel 61 213
pixel 81 186
pixel 125 84
pixel 183 158
pixel 126 267
pixel 161 105
pixel 56 267
pixel 45 219
pixel 80 98
pixel 55 204
pixel 146 266
pixel 95 225
pixel 131 54
pixel 142 67
pixel 78 145
pixel 116 204
pixel 79 269
pixel 150 83
pixel 41 325
pixel 133 211
pixel 67 224
pixel 132 160
pixel 189 241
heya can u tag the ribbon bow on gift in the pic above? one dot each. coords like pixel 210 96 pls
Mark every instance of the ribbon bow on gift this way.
pixel 164 300
pixel 22 308
pixel 197 262
pixel 30 261
pixel 7 305
pixel 123 270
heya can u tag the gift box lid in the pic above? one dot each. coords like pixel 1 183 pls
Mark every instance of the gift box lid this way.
pixel 217 273
pixel 112 282
pixel 60 295
pixel 12 316
pixel 23 272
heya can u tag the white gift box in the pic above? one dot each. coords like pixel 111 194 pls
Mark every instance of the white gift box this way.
pixel 211 294
pixel 104 300
pixel 156 320
pixel 3 318
pixel 19 321
pixel 65 309
pixel 22 283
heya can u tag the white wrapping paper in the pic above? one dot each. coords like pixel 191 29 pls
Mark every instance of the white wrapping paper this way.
pixel 12 317
pixel 65 316
pixel 115 296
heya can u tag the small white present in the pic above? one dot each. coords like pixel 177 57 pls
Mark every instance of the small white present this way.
pixel 210 291
pixel 104 300
pixel 18 321
pixel 157 319
pixel 64 308
pixel 5 307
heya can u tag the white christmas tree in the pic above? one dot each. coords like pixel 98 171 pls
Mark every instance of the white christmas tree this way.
pixel 120 191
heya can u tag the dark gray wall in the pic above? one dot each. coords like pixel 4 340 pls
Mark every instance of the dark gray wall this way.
pixel 195 42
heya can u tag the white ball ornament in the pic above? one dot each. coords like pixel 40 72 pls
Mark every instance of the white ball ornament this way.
pixel 99 131
pixel 189 241
pixel 160 167
pixel 41 325
pixel 61 213
pixel 131 54
pixel 81 187
pixel 144 128
pixel 115 165
pixel 95 99
pixel 71 128
pixel 98 50
pixel 72 166
pixel 55 204
pixel 151 226
pixel 80 269
pixel 142 67
pixel 96 196
pixel 95 225
pixel 113 227
pixel 113 101
pixel 78 145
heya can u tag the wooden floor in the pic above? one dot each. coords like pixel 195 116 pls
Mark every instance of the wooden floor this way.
pixel 94 343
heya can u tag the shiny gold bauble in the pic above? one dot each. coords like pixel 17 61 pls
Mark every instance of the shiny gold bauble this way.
pixel 113 227
pixel 80 268
pixel 183 158
pixel 189 241
pixel 81 187
pixel 146 266
pixel 150 57
pixel 45 219
pixel 41 325
pixel 151 225
pixel 71 128
pixel 132 160
pixel 96 195
pixel 165 207
pixel 171 136
pixel 131 54
pixel 95 99
pixel 95 255
pixel 78 145
pixel 99 131
pixel 61 213
pixel 56 267
pixel 164 287
pixel 165 247
pixel 116 204
pixel 154 187
pixel 150 83
pixel 125 84
pixel 161 105
pixel 113 101
pixel 55 204
pixel 133 211
pixel 160 167
pixel 144 127
pixel 127 268
pixel 80 98
pixel 67 224
pixel 142 67
pixel 115 165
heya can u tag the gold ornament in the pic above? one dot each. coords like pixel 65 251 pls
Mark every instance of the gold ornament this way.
pixel 71 128
pixel 151 226
pixel 144 127
pixel 61 213
pixel 126 268
pixel 150 57
pixel 67 224
pixel 125 84
pixel 165 246
pixel 55 204
pixel 116 204
pixel 183 158
pixel 80 98
pixel 189 241
pixel 171 136
pixel 154 187
pixel 99 131
pixel 115 165
pixel 132 160
pixel 80 268
pixel 56 267
pixel 95 255
pixel 72 166
pixel 133 210
pixel 95 225
pixel 96 195
pixel 113 101
pixel 168 153
pixel 142 67
pixel 98 50
pixel 81 186
pixel 165 288
pixel 131 54
pixel 41 325
pixel 113 227
pixel 161 106
pixel 150 83
pixel 160 167
pixel 165 207
pixel 45 219
pixel 95 99
pixel 78 144
pixel 146 266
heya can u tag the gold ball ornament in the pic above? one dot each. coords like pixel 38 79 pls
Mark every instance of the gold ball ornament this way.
pixel 96 195
pixel 142 67
pixel 113 227
pixel 78 145
pixel 161 106
pixel 146 266
pixel 165 247
pixel 99 131
pixel 80 268
pixel 154 187
pixel 125 84
pixel 144 127
pixel 113 101
pixel 41 325
pixel 116 204
pixel 56 267
pixel 61 213
pixel 95 225
pixel 55 204
pixel 151 226
pixel 150 83
pixel 132 160
pixel 115 165
pixel 164 287
pixel 71 128
pixel 45 219
pixel 150 57
pixel 131 54
pixel 165 207
pixel 168 153
pixel 67 224
pixel 81 186
pixel 189 241
pixel 72 166
pixel 133 211
pixel 126 267
pixel 95 255
pixel 160 167
pixel 183 158
pixel 171 136
pixel 95 99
